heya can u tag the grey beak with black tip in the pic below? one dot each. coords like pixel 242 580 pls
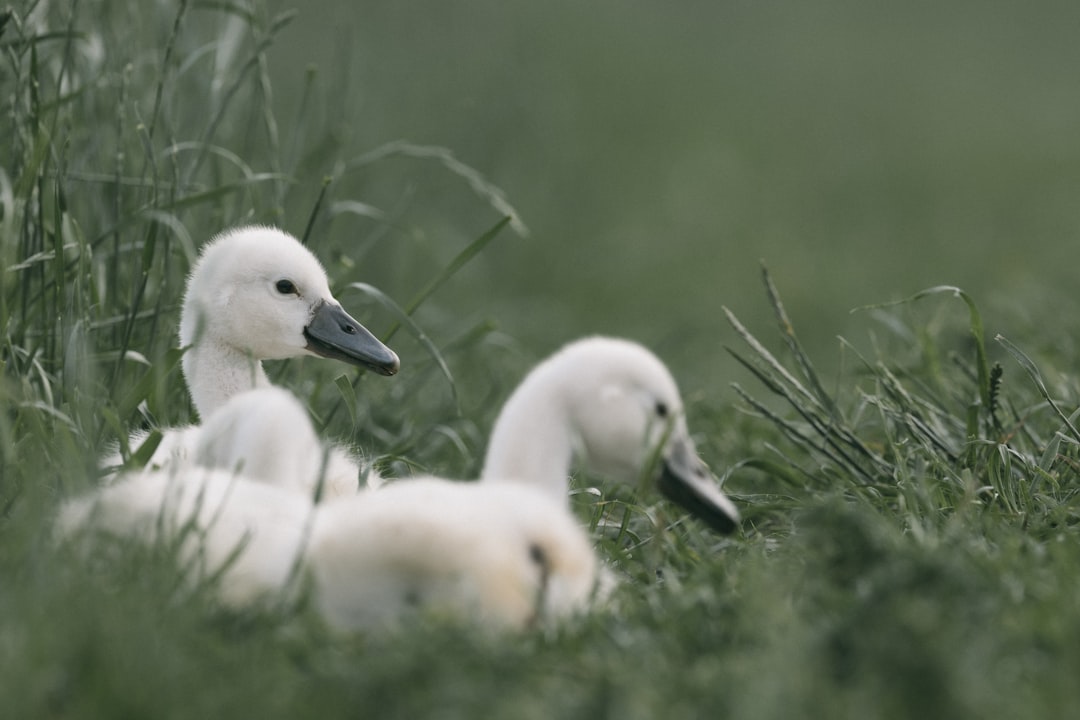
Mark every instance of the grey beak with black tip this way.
pixel 687 482
pixel 333 333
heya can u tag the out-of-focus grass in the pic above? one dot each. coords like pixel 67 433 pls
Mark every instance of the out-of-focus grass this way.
pixel 864 150
pixel 910 543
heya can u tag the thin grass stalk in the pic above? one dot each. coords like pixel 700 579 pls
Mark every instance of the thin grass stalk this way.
pixel 405 316
pixel 480 185
pixel 975 325
pixel 270 122
pixel 420 336
pixel 117 212
pixel 300 125
pixel 314 214
pixel 787 331
pixel 789 429
pixel 249 66
pixel 833 436
pixel 1036 377
pixel 159 91
pixel 762 352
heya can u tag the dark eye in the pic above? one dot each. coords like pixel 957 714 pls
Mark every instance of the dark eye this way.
pixel 661 408
pixel 286 287
pixel 537 555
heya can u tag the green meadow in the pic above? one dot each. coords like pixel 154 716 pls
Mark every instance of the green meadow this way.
pixel 850 229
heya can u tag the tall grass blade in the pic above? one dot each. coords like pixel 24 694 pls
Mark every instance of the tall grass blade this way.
pixel 314 214
pixel 460 260
pixel 845 446
pixel 762 352
pixel 1036 377
pixel 414 329
pixel 348 394
pixel 787 331
pixel 480 185
pixel 163 73
pixel 405 315
pixel 148 382
pixel 252 63
pixel 982 364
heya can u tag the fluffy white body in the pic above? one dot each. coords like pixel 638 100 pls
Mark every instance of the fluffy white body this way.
pixel 257 294
pixel 505 551
pixel 266 435
pixel 506 557
pixel 253 530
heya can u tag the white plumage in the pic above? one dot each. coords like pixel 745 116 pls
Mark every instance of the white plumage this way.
pixel 505 552
pixel 507 556
pixel 257 294
pixel 222 521
pixel 611 405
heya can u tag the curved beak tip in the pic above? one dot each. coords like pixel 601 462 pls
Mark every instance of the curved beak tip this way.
pixel 391 365
pixel 700 497
pixel 333 333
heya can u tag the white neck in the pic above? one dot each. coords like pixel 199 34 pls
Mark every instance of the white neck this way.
pixel 215 372
pixel 532 441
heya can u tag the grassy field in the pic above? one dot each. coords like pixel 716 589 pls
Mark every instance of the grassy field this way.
pixel 911 538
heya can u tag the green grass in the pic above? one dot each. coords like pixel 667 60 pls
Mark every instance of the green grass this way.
pixel 910 541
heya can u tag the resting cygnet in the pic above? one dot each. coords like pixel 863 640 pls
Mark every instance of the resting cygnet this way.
pixel 506 557
pixel 256 293
pixel 252 533
pixel 265 435
pixel 612 406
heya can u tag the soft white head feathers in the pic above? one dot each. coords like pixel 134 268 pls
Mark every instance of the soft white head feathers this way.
pixel 614 407
pixel 257 294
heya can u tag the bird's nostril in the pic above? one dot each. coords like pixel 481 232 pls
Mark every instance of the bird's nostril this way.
pixel 348 329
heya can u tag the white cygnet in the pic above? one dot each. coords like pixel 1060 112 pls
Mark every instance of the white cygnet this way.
pixel 506 557
pixel 257 294
pixel 251 533
pixel 505 552
pixel 612 406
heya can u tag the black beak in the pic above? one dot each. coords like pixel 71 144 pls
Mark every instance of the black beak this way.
pixel 332 333
pixel 688 483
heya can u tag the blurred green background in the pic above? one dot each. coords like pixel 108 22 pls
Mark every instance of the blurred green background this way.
pixel 657 151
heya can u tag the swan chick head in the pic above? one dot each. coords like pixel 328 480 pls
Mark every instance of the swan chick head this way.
pixel 623 419
pixel 629 419
pixel 260 292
